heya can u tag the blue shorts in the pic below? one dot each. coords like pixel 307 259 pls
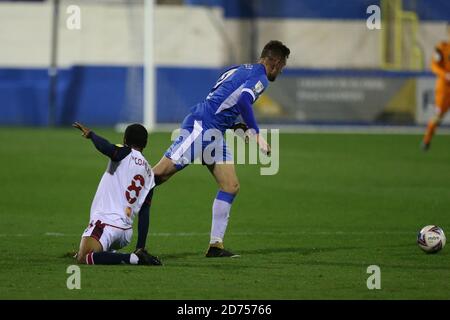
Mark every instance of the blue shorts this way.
pixel 195 143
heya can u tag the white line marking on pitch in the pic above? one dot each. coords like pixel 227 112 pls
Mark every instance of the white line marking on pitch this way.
pixel 54 234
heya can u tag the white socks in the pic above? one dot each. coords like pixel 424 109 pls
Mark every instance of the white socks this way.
pixel 220 214
pixel 134 259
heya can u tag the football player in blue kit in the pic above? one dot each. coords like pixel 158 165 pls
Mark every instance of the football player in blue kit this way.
pixel 232 96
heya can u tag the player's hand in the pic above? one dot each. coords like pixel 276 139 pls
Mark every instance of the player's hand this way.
pixel 447 76
pixel 85 131
pixel 263 145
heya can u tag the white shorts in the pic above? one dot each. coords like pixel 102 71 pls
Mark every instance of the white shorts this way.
pixel 109 236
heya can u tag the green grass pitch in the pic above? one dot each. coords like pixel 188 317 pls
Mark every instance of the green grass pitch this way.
pixel 339 203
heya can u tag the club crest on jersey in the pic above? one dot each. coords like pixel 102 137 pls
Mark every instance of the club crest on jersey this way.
pixel 259 87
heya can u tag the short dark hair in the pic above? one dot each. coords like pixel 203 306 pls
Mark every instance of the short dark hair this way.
pixel 275 49
pixel 136 136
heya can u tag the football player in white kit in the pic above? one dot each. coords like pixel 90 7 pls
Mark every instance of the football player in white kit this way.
pixel 123 193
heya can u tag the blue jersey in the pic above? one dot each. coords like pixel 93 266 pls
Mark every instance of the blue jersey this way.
pixel 219 109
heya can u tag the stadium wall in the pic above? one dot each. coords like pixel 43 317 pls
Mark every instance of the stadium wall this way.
pixel 96 60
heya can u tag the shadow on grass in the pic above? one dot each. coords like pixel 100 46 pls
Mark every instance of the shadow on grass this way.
pixel 264 251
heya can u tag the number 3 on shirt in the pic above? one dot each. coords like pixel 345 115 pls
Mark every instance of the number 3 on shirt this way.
pixel 135 188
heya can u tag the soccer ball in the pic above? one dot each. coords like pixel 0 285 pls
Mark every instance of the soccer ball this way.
pixel 431 239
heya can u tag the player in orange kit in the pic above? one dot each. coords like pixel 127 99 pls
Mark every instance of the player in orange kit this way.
pixel 441 67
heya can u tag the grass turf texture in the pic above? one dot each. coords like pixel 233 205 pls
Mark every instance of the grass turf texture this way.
pixel 338 204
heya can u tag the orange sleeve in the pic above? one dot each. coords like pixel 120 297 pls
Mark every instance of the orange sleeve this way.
pixel 436 63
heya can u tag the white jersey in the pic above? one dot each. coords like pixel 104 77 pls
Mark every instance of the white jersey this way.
pixel 122 190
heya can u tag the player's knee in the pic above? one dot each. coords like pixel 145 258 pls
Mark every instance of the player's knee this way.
pixel 236 188
pixel 232 188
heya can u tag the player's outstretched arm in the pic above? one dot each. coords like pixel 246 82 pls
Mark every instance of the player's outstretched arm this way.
pixel 101 144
